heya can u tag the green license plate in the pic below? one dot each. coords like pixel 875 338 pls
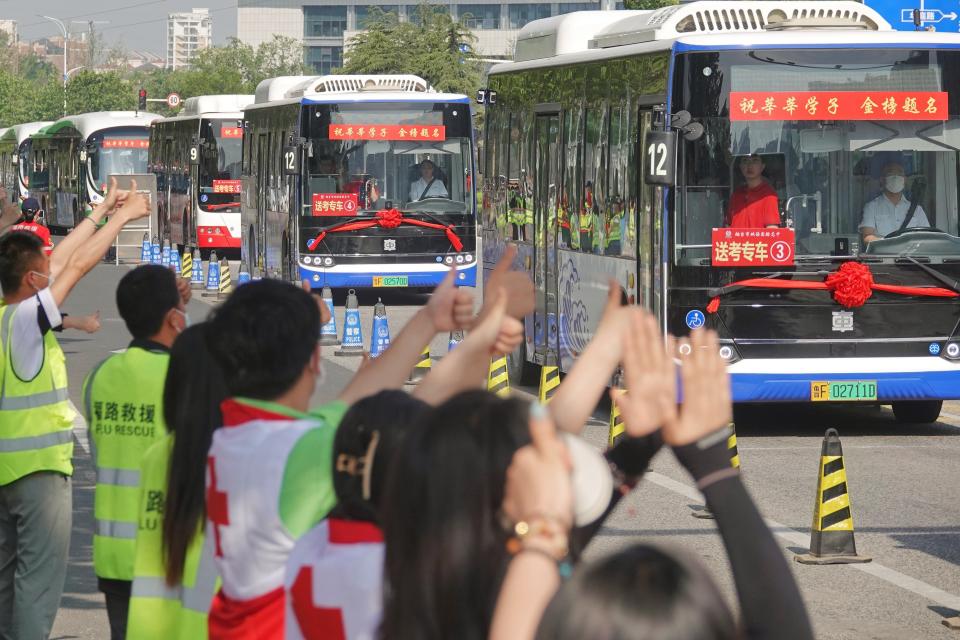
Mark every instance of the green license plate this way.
pixel 843 390
pixel 390 281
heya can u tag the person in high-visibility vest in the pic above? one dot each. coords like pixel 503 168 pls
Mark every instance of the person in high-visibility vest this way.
pixel 614 228
pixel 174 572
pixel 586 219
pixel 122 401
pixel 36 438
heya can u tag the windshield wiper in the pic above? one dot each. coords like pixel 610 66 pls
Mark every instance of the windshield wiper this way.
pixel 939 276
pixel 733 288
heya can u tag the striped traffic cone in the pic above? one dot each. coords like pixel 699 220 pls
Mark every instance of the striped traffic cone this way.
pixel 616 420
pixel 549 380
pixel 498 380
pixel 186 267
pixel 226 284
pixel 705 513
pixel 831 537
pixel 422 368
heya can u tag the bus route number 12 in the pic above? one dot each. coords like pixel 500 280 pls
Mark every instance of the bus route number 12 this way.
pixel 291 161
pixel 660 159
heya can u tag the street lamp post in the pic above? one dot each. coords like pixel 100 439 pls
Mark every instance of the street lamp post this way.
pixel 63 29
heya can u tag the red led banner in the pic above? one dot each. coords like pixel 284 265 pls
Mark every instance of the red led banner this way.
pixel 838 105
pixel 227 186
pixel 231 132
pixel 115 143
pixel 733 247
pixel 334 204
pixel 387 132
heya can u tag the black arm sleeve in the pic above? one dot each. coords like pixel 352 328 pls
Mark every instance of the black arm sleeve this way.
pixel 769 596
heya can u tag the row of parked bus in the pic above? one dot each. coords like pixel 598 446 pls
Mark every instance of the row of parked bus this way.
pixel 272 177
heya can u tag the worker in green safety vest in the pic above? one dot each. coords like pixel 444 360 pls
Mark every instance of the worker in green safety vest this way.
pixel 586 219
pixel 122 401
pixel 36 439
pixel 614 227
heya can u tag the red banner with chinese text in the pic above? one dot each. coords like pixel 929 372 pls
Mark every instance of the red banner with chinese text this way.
pixel 838 105
pixel 334 204
pixel 732 247
pixel 116 143
pixel 231 132
pixel 227 186
pixel 387 132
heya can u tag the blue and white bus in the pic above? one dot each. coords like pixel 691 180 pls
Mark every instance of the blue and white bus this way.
pixel 359 181
pixel 784 172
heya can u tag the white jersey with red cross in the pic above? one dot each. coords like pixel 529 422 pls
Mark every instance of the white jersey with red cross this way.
pixel 334 582
pixel 269 480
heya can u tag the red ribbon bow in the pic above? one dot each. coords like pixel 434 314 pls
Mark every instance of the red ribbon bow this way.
pixel 388 219
pixel 851 285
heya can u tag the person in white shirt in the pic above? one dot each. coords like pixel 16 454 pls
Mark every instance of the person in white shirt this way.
pixel 885 213
pixel 427 186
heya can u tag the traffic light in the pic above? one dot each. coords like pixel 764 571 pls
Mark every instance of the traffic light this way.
pixel 142 100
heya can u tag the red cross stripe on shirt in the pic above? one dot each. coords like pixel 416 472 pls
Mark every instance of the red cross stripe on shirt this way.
pixel 217 511
pixel 316 623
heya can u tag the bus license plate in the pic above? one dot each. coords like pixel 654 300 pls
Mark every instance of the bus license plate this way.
pixel 843 390
pixel 390 281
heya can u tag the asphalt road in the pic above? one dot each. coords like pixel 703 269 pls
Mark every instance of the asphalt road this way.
pixel 902 481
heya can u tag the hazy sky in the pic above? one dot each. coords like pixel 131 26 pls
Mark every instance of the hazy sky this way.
pixel 139 24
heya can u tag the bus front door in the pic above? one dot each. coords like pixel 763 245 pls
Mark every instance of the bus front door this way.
pixel 546 178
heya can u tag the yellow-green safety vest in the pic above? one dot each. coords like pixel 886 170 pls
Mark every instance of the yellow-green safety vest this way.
pixel 36 415
pixel 123 402
pixel 158 611
pixel 613 228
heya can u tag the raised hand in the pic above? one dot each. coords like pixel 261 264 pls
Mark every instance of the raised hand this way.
pixel 112 199
pixel 91 323
pixel 183 288
pixel 706 403
pixel 499 332
pixel 450 307
pixel 521 297
pixel 135 205
pixel 650 377
pixel 321 305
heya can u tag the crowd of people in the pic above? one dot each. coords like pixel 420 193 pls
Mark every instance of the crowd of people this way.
pixel 227 506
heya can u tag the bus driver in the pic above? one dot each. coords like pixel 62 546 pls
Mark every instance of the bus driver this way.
pixel 754 205
pixel 888 211
pixel 427 186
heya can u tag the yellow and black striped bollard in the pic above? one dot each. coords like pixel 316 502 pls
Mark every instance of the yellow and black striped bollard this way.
pixel 422 368
pixel 226 285
pixel 186 268
pixel 498 379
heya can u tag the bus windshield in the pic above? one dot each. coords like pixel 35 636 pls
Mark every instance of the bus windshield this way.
pixel 121 151
pixel 408 156
pixel 856 150
pixel 220 155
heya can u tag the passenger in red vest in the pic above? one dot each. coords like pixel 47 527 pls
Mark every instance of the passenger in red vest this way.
pixel 754 205
pixel 28 222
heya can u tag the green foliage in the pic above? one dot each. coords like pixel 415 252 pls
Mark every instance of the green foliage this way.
pixel 429 45
pixel 647 4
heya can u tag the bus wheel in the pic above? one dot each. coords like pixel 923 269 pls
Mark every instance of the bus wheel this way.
pixel 922 412
pixel 520 371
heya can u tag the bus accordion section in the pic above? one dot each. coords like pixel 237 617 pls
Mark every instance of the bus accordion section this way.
pixel 196 157
pixel 359 181
pixel 72 159
pixel 788 181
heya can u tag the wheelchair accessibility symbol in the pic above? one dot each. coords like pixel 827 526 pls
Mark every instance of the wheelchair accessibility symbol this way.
pixel 695 319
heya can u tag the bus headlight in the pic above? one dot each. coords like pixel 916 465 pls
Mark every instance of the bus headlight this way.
pixel 952 351
pixel 469 258
pixel 327 262
pixel 448 259
pixel 728 352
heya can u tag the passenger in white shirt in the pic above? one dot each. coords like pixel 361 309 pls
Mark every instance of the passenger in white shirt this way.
pixel 885 213
pixel 427 186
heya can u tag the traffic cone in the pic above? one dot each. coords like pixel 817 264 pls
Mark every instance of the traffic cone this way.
pixel 498 380
pixel 196 276
pixel 328 332
pixel 705 513
pixel 156 254
pixel 146 249
pixel 549 380
pixel 380 333
pixel 175 261
pixel 186 268
pixel 616 420
pixel 831 537
pixel 352 342
pixel 213 275
pixel 456 337
pixel 244 276
pixel 422 368
pixel 165 254
pixel 226 284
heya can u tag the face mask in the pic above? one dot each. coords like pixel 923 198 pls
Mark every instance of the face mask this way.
pixel 591 479
pixel 43 275
pixel 186 319
pixel 894 184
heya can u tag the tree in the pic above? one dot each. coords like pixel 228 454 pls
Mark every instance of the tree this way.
pixel 91 91
pixel 647 5
pixel 33 68
pixel 431 45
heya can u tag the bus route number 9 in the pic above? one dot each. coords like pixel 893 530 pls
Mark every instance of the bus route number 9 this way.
pixel 660 158
pixel 291 161
pixel 195 154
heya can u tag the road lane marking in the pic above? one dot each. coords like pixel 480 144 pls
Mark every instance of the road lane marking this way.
pixel 897 579
pixel 80 429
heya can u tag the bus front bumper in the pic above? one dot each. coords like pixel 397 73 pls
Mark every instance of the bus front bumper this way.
pixel 386 276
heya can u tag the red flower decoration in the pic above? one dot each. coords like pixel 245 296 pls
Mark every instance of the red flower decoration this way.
pixel 389 218
pixel 713 305
pixel 851 284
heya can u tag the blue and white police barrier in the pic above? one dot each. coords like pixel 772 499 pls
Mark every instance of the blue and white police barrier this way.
pixel 380 334
pixel 156 254
pixel 328 332
pixel 213 274
pixel 196 275
pixel 165 254
pixel 175 264
pixel 243 276
pixel 146 250
pixel 352 342
pixel 456 337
